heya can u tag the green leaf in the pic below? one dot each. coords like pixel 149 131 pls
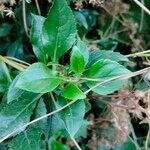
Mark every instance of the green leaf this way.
pixel 72 92
pixel 59 30
pixel 18 112
pixel 77 61
pixel 72 116
pixel 40 111
pixel 38 79
pixel 105 69
pixel 84 50
pixel 55 145
pixel 3 79
pixel 81 20
pixel 16 49
pixel 5 29
pixel 36 37
pixel 27 140
pixel 106 54
pixel 16 94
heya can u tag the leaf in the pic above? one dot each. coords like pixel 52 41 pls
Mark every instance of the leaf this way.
pixel 81 19
pixel 105 69
pixel 59 30
pixel 18 112
pixel 77 61
pixel 3 79
pixel 72 116
pixel 36 37
pixel 38 79
pixel 55 145
pixel 16 94
pixel 40 111
pixel 5 28
pixel 106 54
pixel 72 92
pixel 16 49
pixel 84 50
pixel 27 140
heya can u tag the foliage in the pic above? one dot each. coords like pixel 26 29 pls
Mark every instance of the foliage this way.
pixel 75 87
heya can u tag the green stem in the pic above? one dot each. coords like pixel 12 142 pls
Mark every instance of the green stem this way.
pixel 139 54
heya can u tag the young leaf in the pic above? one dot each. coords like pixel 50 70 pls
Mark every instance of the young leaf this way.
pixel 38 79
pixel 106 54
pixel 72 116
pixel 77 61
pixel 72 92
pixel 59 30
pixel 84 50
pixel 105 69
pixel 36 37
pixel 18 112
pixel 27 140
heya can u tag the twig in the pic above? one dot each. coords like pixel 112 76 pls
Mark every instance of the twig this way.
pixel 112 104
pixel 38 7
pixel 142 17
pixel 139 54
pixel 122 129
pixel 142 6
pixel 18 60
pixel 76 144
pixel 148 134
pixel 24 16
pixel 6 71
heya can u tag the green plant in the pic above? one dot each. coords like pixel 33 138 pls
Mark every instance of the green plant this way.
pixel 48 99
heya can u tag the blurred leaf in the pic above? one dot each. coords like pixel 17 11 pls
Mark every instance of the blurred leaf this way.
pixel 81 20
pixel 56 145
pixel 16 49
pixel 5 29
pixel 3 79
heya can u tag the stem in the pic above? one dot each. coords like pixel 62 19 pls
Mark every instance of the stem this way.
pixel 24 16
pixel 142 17
pixel 38 7
pixel 16 65
pixel 6 71
pixel 18 60
pixel 52 97
pixel 139 54
pixel 76 144
pixel 142 6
